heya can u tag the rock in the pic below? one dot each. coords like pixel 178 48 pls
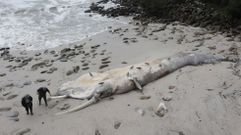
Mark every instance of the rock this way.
pixel 212 47
pixel 63 60
pixel 22 131
pixel 51 70
pixel 97 132
pixel 52 52
pixel 123 62
pixel 161 110
pixel 117 124
pixel 105 62
pixel 167 98
pixel 126 41
pixel 195 49
pixel 76 69
pixel 103 66
pixel 40 80
pixel 2 99
pixel 105 59
pixel 140 111
pixel 27 83
pixel 3 74
pixel 25 62
pixel 70 72
pixel 180 133
pixel 13 114
pixel 45 63
pixel 4 109
pixel 160 29
pixel 12 96
pixel 17 60
pixel 145 97
pixel 85 64
pixel 171 87
pixel 37 54
pixel 85 68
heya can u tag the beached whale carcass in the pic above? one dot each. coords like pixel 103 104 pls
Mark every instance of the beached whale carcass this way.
pixel 94 86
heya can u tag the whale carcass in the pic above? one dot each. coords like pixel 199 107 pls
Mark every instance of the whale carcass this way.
pixel 94 86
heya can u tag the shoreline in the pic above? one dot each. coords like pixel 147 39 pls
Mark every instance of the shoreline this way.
pixel 192 109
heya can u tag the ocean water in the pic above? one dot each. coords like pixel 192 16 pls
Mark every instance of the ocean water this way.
pixel 42 24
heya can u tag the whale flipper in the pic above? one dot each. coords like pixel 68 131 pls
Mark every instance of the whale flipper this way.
pixel 137 84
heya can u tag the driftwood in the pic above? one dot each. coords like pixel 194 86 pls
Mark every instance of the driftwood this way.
pixel 94 86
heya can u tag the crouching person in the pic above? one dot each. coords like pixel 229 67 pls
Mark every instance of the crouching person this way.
pixel 27 104
pixel 42 94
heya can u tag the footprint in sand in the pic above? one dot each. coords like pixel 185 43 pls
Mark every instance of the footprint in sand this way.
pixel 12 96
pixel 52 105
pixel 13 115
pixel 21 131
pixel 5 109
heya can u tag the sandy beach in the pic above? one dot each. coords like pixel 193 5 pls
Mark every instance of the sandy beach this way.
pixel 200 100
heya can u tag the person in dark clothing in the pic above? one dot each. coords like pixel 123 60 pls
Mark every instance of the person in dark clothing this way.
pixel 42 94
pixel 27 104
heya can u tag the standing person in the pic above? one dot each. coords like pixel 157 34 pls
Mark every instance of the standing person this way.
pixel 27 104
pixel 42 94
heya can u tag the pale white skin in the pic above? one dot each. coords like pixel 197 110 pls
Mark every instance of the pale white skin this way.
pixel 94 86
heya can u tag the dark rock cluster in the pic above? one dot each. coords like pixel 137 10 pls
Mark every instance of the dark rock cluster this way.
pixel 190 12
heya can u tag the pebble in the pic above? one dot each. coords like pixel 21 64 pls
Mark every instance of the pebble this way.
pixel 123 62
pixel 3 74
pixel 69 72
pixel 76 69
pixel 63 60
pixel 51 70
pixel 140 111
pixel 161 110
pixel 171 87
pixel 195 49
pixel 40 80
pixel 117 124
pixel 145 97
pixel 85 64
pixel 97 132
pixel 167 98
pixel 27 83
pixel 212 47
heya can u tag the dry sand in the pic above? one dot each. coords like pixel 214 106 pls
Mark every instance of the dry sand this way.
pixel 205 100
